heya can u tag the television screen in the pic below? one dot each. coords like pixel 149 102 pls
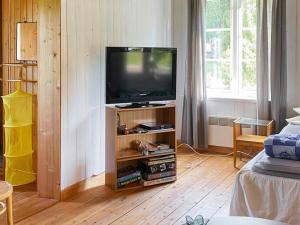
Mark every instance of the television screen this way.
pixel 140 74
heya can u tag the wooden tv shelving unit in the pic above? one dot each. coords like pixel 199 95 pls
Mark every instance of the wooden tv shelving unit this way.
pixel 118 148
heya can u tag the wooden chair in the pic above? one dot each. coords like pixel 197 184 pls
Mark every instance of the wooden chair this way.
pixel 250 142
pixel 6 191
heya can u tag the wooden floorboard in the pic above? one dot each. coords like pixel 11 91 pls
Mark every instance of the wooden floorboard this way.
pixel 209 194
pixel 202 180
pixel 203 187
pixel 26 203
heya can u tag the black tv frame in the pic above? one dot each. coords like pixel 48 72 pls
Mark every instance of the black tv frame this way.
pixel 141 101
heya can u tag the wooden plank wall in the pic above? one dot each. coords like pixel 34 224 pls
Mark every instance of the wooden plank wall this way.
pixel 49 41
pixel 14 11
pixel 87 28
pixel 47 91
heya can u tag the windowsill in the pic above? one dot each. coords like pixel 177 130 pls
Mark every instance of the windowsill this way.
pixel 232 99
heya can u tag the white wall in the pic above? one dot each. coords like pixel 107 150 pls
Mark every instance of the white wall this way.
pixel 87 28
pixel 180 42
pixel 293 54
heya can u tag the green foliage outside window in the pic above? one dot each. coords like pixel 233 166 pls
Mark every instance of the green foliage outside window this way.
pixel 219 61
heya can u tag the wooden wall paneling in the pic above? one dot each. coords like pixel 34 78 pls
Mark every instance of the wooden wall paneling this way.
pixel 28 18
pixel 4 70
pixel 34 19
pixel 31 16
pixel 90 27
pixel 12 49
pixel 49 30
pixel 5 44
pixel 18 11
pixel 93 83
pixel 29 10
pixel 23 18
pixel 64 88
pixel 9 21
pixel 1 108
pixel 69 72
pixel 80 125
pixel 34 132
pixel 82 79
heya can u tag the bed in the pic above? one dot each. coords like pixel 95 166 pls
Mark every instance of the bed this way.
pixel 270 196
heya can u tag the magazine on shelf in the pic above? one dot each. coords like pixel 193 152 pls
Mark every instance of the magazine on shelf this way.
pixel 161 151
pixel 129 176
pixel 150 163
pixel 162 158
pixel 155 176
pixel 158 181
pixel 132 180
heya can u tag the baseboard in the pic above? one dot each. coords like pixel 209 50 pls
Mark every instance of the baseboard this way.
pixel 214 149
pixel 220 149
pixel 178 142
pixel 83 185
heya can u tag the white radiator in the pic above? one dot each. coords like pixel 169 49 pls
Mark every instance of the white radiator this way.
pixel 220 132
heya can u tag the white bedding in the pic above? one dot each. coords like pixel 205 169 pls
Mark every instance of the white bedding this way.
pixel 277 167
pixel 265 196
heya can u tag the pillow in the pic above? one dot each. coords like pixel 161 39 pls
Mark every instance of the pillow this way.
pixel 294 120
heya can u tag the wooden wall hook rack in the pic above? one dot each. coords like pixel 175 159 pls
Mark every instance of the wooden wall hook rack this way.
pixel 20 65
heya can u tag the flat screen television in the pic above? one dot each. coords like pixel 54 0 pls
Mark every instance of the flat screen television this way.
pixel 137 75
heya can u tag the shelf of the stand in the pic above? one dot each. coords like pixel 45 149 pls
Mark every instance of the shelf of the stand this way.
pixel 132 154
pixel 149 132
pixel 120 149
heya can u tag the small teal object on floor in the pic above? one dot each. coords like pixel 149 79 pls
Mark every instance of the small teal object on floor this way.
pixel 199 220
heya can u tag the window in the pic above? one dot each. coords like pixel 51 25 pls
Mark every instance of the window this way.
pixel 231 48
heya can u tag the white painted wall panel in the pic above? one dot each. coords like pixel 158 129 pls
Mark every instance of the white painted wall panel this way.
pixel 180 41
pixel 87 28
pixel 293 55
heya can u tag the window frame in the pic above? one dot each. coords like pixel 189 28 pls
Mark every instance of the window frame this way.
pixel 236 57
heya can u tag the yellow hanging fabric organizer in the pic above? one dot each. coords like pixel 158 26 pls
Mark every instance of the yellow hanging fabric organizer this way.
pixel 18 137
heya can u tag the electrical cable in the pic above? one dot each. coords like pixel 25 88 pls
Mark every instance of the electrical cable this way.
pixel 209 155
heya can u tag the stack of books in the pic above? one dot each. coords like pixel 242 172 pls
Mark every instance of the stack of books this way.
pixel 160 149
pixel 158 170
pixel 128 175
pixel 148 148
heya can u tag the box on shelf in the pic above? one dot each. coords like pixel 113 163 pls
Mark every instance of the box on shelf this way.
pixel 157 168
